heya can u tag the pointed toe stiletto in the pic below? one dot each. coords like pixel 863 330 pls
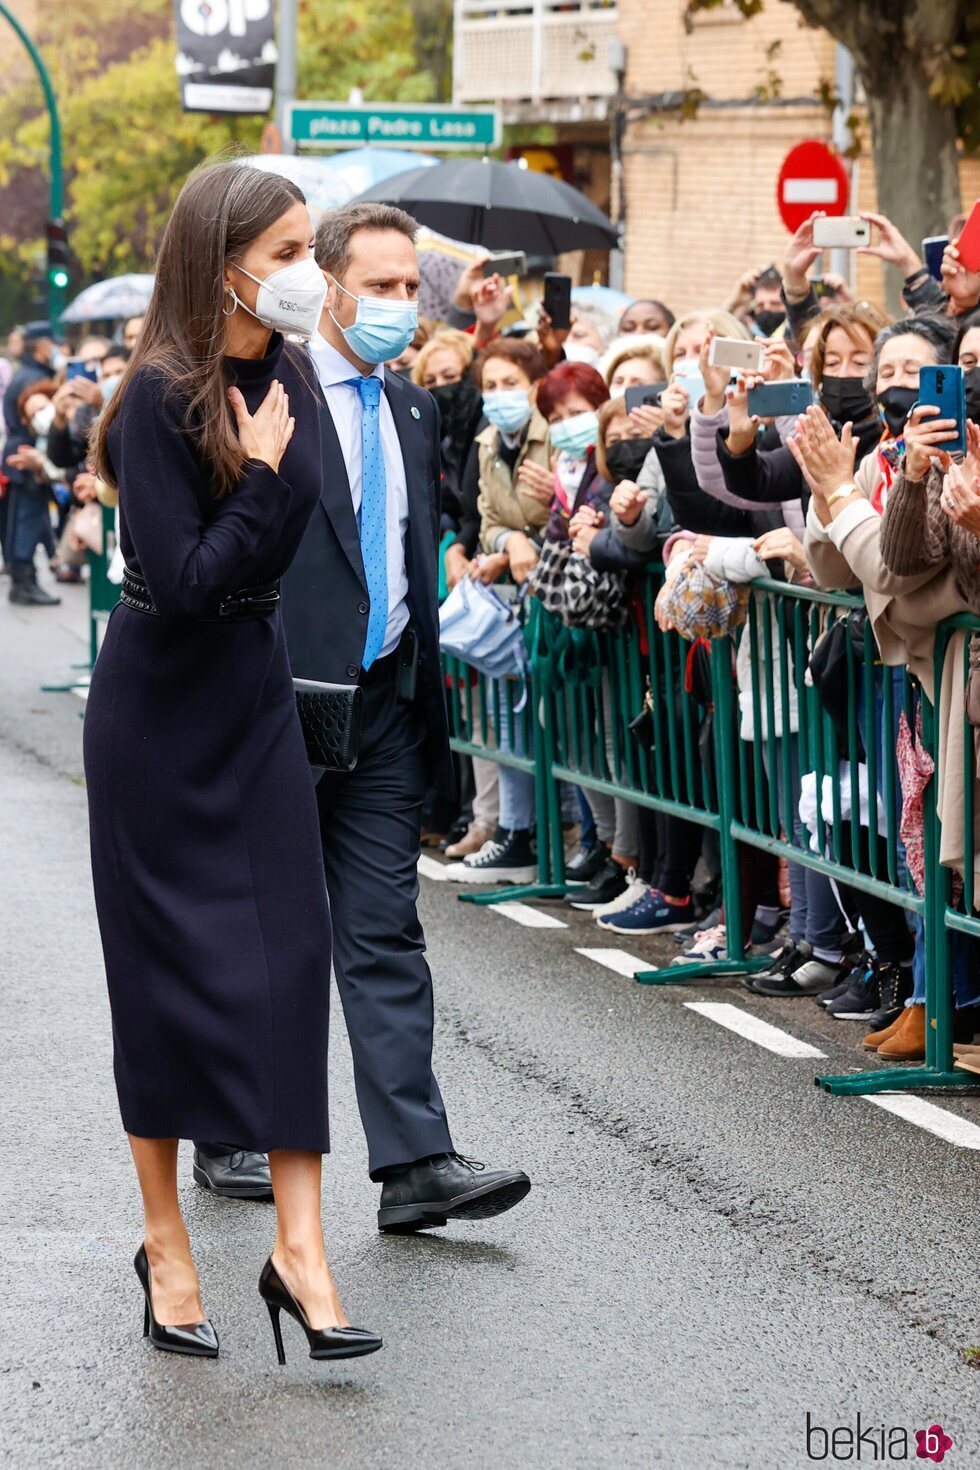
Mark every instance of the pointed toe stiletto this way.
pixel 325 1342
pixel 194 1339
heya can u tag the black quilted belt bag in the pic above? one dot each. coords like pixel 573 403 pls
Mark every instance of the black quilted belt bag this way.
pixel 330 716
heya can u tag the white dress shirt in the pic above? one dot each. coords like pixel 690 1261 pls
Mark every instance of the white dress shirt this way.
pixel 338 380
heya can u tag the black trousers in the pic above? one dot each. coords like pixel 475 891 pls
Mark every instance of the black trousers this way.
pixel 370 821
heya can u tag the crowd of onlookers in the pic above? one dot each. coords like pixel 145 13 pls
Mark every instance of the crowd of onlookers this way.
pixel 577 456
pixel 551 474
pixel 52 394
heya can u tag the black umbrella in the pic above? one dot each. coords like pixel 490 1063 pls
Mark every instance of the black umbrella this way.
pixel 499 205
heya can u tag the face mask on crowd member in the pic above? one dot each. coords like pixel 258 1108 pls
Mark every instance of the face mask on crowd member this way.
pixel 625 457
pixel 581 352
pixel 41 420
pixel 968 357
pixel 576 434
pixel 768 311
pixel 506 395
pixel 897 387
pixel 846 399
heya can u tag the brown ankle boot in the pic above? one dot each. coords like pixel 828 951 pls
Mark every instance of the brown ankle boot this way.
pixel 908 1043
pixel 874 1039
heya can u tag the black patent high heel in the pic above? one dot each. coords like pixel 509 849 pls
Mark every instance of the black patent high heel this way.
pixel 325 1342
pixel 196 1339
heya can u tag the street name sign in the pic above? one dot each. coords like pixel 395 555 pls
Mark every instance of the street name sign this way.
pixel 343 125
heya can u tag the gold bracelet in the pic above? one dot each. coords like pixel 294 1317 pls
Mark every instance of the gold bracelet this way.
pixel 843 492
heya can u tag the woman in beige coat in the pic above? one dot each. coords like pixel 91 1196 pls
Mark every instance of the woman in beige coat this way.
pixel 516 480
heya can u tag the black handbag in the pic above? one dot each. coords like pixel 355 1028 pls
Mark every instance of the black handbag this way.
pixel 330 716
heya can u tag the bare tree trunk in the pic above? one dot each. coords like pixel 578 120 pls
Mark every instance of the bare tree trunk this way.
pixel 913 141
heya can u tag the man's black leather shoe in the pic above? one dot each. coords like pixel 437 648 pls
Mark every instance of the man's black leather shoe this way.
pixel 447 1187
pixel 235 1175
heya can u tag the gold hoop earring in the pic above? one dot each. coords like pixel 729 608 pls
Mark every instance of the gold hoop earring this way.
pixel 229 292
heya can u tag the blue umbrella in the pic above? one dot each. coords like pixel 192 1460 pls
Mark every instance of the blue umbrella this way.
pixel 362 168
pixel 111 301
pixel 322 187
pixel 606 298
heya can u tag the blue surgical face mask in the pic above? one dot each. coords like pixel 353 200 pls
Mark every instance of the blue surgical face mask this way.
pixel 109 386
pixel 576 435
pixel 381 329
pixel 508 410
pixel 692 382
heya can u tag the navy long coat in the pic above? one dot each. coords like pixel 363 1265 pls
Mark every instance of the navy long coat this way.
pixel 205 846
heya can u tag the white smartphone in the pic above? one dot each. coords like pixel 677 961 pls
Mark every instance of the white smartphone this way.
pixel 841 232
pixel 733 352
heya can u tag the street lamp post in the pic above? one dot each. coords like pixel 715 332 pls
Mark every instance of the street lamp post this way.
pixel 56 272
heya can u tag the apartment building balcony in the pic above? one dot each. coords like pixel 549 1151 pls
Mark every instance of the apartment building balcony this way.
pixel 540 60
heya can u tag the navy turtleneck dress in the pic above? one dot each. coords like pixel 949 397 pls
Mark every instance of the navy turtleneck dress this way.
pixel 205 845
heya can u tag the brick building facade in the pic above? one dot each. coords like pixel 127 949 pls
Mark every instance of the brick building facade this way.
pixel 700 195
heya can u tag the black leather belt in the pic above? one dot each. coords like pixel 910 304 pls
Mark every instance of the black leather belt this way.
pixel 249 602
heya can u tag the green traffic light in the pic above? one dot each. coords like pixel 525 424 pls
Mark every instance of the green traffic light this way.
pixel 58 278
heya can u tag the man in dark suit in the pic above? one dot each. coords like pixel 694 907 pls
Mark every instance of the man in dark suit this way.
pixel 360 606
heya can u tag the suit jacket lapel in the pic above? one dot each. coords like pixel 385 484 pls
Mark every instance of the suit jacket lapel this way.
pixel 335 494
pixel 412 440
pixel 420 550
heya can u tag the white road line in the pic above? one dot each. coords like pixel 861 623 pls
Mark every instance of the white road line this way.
pixel 429 868
pixel 618 960
pixel 955 1130
pixel 771 1037
pixel 522 913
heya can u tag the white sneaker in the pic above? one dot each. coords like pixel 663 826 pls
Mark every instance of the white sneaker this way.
pixel 635 888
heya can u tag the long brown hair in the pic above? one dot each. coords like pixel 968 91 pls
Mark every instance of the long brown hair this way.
pixel 220 210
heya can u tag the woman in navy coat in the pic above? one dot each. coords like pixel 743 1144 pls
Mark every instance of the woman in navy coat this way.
pixel 205 847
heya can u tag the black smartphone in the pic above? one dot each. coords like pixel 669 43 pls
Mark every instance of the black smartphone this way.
pixel 933 247
pixel 644 393
pixel 557 299
pixel 407 673
pixel 514 264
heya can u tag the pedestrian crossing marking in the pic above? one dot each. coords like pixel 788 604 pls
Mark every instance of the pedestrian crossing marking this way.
pixel 773 1038
pixel 923 1114
pixel 618 960
pixel 522 913
pixel 429 868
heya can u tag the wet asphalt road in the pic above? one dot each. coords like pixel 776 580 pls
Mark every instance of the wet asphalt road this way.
pixel 712 1249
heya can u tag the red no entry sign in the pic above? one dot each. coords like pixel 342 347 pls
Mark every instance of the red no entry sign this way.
pixel 812 177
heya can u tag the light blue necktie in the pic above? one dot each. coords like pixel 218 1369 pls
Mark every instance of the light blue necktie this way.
pixel 374 516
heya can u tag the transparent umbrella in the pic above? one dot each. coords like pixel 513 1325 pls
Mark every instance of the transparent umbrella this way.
pixel 111 301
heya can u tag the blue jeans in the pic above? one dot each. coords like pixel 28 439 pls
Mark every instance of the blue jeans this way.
pixel 516 787
pixel 30 525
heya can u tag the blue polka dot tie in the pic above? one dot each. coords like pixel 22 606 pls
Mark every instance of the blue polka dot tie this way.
pixel 374 517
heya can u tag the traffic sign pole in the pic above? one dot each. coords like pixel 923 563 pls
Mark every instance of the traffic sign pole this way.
pixel 56 291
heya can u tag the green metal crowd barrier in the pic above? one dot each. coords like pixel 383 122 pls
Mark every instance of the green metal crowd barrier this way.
pixel 767 726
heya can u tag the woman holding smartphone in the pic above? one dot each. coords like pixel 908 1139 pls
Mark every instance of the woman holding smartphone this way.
pixel 205 849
